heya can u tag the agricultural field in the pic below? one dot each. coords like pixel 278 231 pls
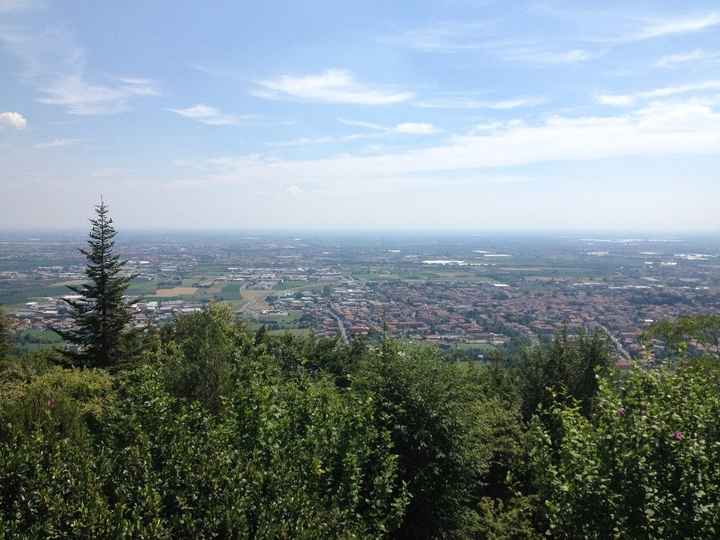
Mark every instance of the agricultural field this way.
pixel 175 291
pixel 255 299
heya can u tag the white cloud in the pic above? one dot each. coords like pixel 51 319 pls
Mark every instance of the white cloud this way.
pixel 360 123
pixel 441 37
pixel 306 141
pixel 624 100
pixel 211 116
pixel 659 129
pixel 79 97
pixel 53 63
pixel 567 57
pixel 677 26
pixel 487 38
pixel 13 120
pixel 696 55
pixel 56 143
pixel 332 86
pixel 406 128
pixel 537 54
pixel 635 29
pixel 415 128
pixel 615 100
pixel 17 5
pixel 459 102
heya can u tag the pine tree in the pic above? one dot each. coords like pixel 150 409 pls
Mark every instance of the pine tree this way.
pixel 5 336
pixel 100 315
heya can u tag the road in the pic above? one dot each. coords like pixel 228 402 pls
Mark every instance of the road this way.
pixel 341 326
pixel 617 343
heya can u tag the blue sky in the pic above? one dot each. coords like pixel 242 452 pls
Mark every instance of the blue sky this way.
pixel 448 114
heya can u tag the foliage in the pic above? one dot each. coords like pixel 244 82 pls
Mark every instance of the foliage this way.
pixel 647 465
pixel 198 352
pixel 211 431
pixel 680 336
pixel 100 314
pixel 451 435
pixel 138 455
pixel 62 403
pixel 5 338
pixel 567 366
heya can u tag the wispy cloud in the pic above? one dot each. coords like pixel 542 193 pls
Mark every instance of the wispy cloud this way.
pixel 7 6
pixel 377 131
pixel 566 57
pixel 57 143
pixel 332 86
pixel 448 37
pixel 624 100
pixel 657 129
pixel 13 120
pixel 603 31
pixel 669 27
pixel 487 38
pixel 540 56
pixel 406 128
pixel 53 63
pixel 415 128
pixel 463 102
pixel 329 139
pixel 80 97
pixel 697 55
pixel 212 116
pixel 615 100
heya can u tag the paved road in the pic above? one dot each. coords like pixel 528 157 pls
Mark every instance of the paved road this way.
pixel 617 343
pixel 341 326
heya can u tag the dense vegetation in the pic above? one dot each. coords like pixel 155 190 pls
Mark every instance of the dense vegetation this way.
pixel 210 431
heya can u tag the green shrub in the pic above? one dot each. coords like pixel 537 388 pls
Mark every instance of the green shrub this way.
pixel 60 403
pixel 454 440
pixel 646 466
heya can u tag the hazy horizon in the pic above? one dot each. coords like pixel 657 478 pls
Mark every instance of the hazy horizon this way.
pixel 651 235
pixel 456 116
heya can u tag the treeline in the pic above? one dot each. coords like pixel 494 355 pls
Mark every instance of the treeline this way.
pixel 205 430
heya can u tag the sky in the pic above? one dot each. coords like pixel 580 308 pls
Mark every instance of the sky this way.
pixel 451 114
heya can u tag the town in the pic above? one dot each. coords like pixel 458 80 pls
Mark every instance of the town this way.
pixel 471 293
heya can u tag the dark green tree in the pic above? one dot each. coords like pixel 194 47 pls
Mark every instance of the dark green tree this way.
pixel 567 367
pixel 100 314
pixel 5 337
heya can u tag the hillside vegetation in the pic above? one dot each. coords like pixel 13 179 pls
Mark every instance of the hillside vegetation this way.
pixel 208 431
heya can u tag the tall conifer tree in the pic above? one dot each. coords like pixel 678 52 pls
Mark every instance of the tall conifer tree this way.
pixel 5 338
pixel 100 315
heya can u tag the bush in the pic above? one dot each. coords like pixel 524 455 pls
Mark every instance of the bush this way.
pixel 59 403
pixel 646 466
pixel 454 440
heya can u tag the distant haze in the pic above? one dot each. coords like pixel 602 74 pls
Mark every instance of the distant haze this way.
pixel 364 116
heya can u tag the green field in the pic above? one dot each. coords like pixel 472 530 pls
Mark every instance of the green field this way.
pixel 231 291
pixel 24 293
pixel 30 340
